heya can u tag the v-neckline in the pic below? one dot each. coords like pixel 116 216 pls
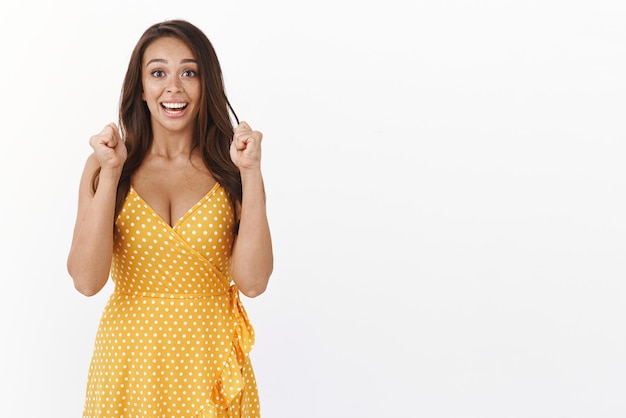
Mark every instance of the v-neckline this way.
pixel 187 212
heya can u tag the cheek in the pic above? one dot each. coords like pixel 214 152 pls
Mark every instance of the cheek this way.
pixel 150 88
pixel 192 87
pixel 147 92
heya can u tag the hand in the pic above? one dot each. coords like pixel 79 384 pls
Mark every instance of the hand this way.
pixel 245 150
pixel 109 147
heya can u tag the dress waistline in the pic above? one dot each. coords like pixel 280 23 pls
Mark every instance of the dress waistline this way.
pixel 156 295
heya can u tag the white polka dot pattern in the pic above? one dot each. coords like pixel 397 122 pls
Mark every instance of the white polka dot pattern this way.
pixel 174 339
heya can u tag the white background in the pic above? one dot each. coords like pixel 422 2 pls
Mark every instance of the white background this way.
pixel 445 188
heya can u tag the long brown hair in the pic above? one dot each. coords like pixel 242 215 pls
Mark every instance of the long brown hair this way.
pixel 213 130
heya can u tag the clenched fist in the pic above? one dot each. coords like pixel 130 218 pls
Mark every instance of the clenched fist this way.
pixel 109 147
pixel 245 150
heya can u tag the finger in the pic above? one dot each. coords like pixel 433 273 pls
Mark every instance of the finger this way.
pixel 252 138
pixel 240 139
pixel 109 140
pixel 119 140
pixel 241 142
pixel 243 125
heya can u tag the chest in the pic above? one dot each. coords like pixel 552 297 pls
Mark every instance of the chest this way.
pixel 172 189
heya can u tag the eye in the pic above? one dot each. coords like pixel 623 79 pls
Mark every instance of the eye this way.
pixel 158 73
pixel 189 73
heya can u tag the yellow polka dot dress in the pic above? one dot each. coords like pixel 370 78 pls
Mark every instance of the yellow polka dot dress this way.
pixel 174 339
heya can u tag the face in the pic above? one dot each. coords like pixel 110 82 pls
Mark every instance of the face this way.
pixel 171 86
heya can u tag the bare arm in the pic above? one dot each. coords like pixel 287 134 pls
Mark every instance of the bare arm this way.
pixel 252 253
pixel 252 258
pixel 89 259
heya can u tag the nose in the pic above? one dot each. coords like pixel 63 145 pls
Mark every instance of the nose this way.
pixel 174 85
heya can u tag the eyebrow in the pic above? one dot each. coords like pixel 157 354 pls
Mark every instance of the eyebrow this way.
pixel 164 61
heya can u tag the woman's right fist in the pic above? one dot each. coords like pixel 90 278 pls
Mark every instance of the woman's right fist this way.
pixel 109 147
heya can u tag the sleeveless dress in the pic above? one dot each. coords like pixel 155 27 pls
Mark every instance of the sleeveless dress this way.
pixel 174 338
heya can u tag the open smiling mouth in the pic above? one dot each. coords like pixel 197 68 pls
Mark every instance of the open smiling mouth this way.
pixel 174 107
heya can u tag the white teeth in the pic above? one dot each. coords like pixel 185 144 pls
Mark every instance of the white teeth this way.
pixel 174 105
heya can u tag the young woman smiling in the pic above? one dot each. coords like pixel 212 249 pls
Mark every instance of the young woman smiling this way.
pixel 172 208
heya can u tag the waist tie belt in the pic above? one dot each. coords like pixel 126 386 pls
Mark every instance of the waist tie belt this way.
pixel 243 329
pixel 155 295
pixel 244 332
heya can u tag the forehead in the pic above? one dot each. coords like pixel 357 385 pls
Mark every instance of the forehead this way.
pixel 168 49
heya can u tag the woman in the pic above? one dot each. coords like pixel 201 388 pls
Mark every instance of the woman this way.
pixel 172 207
